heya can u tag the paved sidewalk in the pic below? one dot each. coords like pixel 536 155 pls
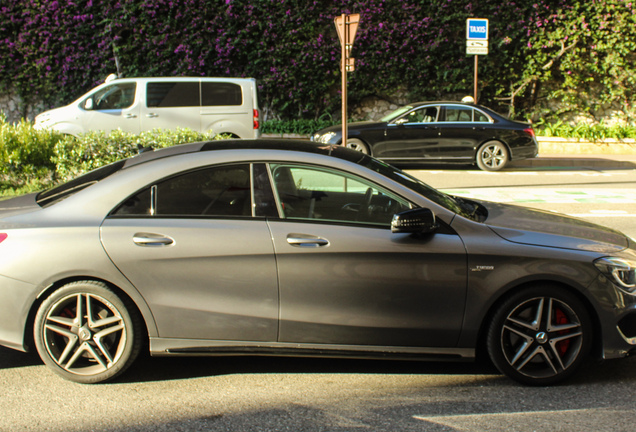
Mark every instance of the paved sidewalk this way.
pixel 607 161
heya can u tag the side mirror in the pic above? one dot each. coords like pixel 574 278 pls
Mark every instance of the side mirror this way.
pixel 401 122
pixel 414 221
pixel 88 104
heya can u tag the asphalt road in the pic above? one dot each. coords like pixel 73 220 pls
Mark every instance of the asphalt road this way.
pixel 278 394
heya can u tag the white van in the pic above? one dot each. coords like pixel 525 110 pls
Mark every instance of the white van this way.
pixel 221 105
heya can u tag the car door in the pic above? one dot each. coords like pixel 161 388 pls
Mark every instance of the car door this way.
pixel 200 254
pixel 171 105
pixel 112 107
pixel 346 279
pixel 462 129
pixel 414 135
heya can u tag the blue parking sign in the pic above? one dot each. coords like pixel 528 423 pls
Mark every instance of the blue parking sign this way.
pixel 477 29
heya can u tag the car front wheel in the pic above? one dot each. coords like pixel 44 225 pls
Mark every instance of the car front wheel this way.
pixel 540 336
pixel 86 333
pixel 492 156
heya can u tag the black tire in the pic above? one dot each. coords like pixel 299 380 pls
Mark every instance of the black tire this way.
pixel 86 333
pixel 540 335
pixel 358 145
pixel 492 156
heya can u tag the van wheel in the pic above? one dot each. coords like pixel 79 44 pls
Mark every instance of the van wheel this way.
pixel 86 333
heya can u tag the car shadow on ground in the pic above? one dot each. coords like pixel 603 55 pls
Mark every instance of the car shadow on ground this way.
pixel 176 368
pixel 157 369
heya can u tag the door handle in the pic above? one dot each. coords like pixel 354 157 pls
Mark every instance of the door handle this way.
pixel 306 240
pixel 152 115
pixel 150 239
pixel 130 116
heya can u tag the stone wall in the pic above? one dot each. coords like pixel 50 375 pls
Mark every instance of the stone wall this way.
pixel 13 108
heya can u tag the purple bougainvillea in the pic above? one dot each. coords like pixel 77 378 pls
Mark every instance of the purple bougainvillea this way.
pixel 53 53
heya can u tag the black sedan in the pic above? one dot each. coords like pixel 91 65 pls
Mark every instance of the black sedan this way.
pixel 435 132
pixel 295 248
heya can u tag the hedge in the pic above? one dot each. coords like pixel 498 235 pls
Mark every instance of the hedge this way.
pixel 32 160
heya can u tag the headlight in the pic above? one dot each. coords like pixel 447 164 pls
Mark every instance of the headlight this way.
pixel 325 138
pixel 620 271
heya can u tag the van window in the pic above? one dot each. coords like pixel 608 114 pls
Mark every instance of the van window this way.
pixel 172 94
pixel 116 96
pixel 220 93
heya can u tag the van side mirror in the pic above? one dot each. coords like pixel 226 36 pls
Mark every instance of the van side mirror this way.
pixel 414 221
pixel 88 104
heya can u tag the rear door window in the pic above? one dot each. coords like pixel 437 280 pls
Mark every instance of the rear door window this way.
pixel 173 94
pixel 220 191
pixel 220 94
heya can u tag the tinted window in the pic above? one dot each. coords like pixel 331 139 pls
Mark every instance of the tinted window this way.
pixel 422 115
pixel 322 194
pixel 216 191
pixel 116 96
pixel 458 114
pixel 220 93
pixel 481 117
pixel 172 94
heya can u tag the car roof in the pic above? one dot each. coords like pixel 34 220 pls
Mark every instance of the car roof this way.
pixel 149 154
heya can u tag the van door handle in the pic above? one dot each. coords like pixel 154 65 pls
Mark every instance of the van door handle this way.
pixel 152 115
pixel 306 240
pixel 150 239
pixel 128 116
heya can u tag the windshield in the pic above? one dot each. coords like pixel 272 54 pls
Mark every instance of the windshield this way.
pixel 395 114
pixel 463 207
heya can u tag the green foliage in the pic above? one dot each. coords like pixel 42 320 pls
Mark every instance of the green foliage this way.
pixel 25 154
pixel 297 127
pixel 586 131
pixel 579 57
pixel 74 156
pixel 35 159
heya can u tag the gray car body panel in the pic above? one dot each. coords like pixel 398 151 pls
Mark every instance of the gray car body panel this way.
pixel 369 292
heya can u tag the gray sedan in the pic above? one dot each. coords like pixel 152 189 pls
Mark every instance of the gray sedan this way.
pixel 301 249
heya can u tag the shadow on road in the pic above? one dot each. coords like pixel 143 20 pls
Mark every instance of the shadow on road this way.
pixel 157 369
pixel 177 368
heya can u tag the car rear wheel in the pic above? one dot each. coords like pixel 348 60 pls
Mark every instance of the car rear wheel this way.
pixel 492 156
pixel 540 336
pixel 358 145
pixel 86 333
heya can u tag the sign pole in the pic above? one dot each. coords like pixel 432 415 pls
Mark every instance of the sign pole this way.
pixel 343 70
pixel 476 65
pixel 347 25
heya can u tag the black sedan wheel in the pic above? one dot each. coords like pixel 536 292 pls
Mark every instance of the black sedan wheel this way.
pixel 85 333
pixel 358 145
pixel 492 156
pixel 540 336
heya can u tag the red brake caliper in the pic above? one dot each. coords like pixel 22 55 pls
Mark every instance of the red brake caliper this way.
pixel 561 318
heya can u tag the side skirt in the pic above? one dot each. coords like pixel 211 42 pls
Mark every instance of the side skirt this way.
pixel 190 347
